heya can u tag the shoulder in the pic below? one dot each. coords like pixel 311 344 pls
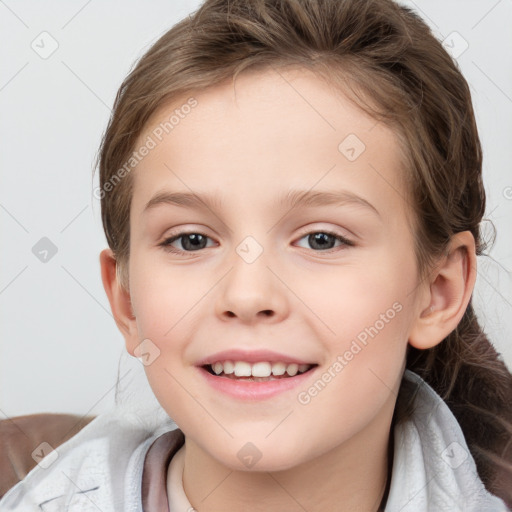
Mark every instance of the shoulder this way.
pixel 25 439
pixel 100 466
pixel 433 469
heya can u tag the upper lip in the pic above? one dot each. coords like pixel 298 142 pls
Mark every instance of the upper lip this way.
pixel 250 356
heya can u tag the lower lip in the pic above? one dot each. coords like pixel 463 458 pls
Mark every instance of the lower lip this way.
pixel 251 390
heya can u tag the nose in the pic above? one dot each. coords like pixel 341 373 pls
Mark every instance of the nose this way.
pixel 252 292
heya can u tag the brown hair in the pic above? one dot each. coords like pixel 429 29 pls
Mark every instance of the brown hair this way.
pixel 385 57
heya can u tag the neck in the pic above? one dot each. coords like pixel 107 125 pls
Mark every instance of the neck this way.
pixel 354 476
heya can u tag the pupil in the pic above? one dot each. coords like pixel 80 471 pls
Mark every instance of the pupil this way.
pixel 319 239
pixel 193 240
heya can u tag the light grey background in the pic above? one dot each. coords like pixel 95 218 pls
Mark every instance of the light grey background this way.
pixel 59 346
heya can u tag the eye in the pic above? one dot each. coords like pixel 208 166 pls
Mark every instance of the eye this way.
pixel 190 242
pixel 322 240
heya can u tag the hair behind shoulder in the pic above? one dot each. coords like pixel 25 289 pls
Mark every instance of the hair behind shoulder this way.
pixel 387 60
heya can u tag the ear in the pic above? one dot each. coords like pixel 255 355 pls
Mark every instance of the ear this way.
pixel 446 296
pixel 119 298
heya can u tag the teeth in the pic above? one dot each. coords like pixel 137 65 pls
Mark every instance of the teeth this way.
pixel 292 369
pixel 229 367
pixel 242 369
pixel 278 369
pixel 259 369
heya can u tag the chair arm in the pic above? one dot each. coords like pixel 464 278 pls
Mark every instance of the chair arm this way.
pixel 21 435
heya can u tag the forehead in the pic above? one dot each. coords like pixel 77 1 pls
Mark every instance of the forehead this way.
pixel 269 131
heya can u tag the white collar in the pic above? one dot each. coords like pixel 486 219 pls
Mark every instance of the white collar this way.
pixel 433 469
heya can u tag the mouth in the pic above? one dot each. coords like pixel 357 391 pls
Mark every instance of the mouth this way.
pixel 262 371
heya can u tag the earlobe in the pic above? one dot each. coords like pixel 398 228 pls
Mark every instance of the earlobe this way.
pixel 448 293
pixel 119 298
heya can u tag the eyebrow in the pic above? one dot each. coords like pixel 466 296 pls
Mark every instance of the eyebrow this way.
pixel 291 199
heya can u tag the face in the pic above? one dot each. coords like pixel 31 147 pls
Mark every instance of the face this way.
pixel 326 282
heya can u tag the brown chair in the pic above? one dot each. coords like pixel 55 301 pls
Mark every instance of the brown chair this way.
pixel 21 435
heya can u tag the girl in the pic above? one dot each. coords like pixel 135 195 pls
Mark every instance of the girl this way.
pixel 291 192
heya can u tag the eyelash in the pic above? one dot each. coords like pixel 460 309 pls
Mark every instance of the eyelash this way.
pixel 167 247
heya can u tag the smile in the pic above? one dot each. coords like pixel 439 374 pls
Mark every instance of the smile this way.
pixel 260 370
pixel 257 381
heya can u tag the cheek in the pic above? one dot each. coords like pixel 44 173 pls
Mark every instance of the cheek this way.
pixel 344 300
pixel 164 301
pixel 376 319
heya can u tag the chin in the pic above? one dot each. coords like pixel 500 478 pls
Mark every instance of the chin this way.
pixel 248 457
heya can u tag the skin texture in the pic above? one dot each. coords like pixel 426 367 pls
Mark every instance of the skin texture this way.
pixel 275 131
